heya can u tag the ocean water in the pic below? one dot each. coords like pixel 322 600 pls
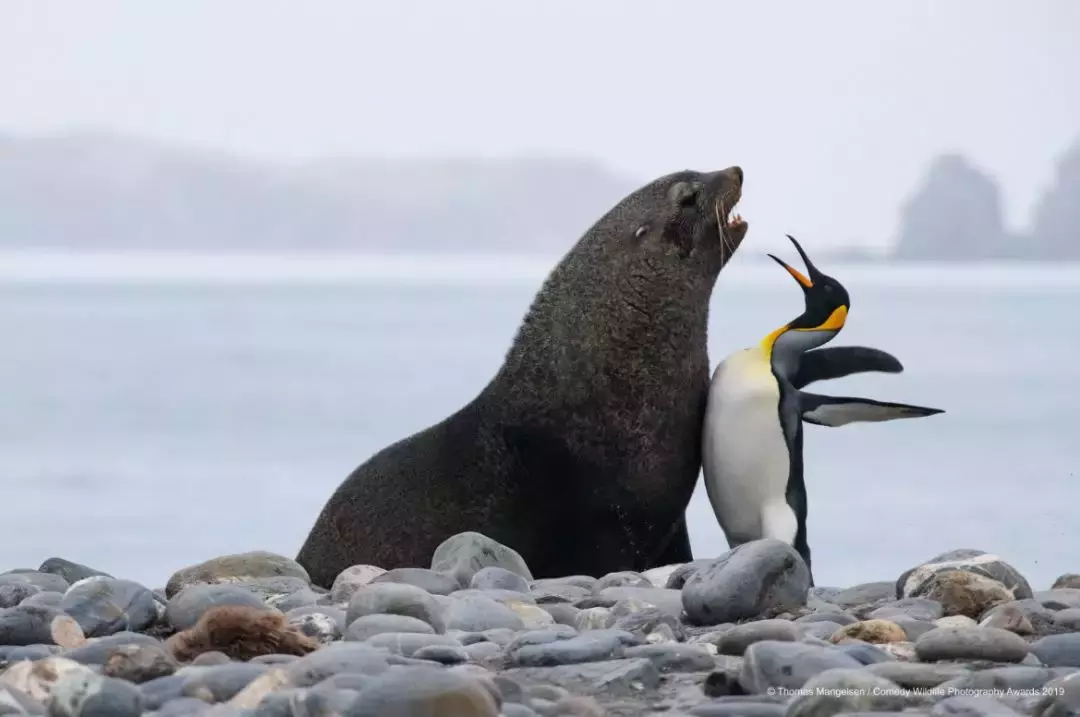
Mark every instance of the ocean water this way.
pixel 157 412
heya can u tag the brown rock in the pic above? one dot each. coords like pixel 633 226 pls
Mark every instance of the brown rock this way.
pixel 873 631
pixel 1011 618
pixel 1068 580
pixel 240 632
pixel 964 593
pixel 139 663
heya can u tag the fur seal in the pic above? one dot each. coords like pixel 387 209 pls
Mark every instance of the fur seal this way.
pixel 583 451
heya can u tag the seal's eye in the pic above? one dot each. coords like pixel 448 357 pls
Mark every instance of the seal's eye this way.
pixel 684 194
pixel 641 231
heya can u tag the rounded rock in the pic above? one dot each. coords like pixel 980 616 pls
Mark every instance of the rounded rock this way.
pixel 185 608
pixel 754 580
pixel 1068 580
pixel 36 625
pixel 970 643
pixel 368 626
pixel 234 568
pixel 1058 650
pixel 423 691
pixel 476 613
pixel 89 695
pixel 973 561
pixel 737 639
pixel 433 582
pixel 772 664
pixel 139 663
pixel 962 592
pixel 465 554
pixel 350 579
pixel 396 599
pixel 872 631
pixel 845 691
pixel 496 578
pixel 103 606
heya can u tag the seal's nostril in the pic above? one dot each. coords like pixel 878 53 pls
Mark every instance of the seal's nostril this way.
pixel 737 171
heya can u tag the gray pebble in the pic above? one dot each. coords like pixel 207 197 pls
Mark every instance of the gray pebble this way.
pixel 45 581
pixel 139 663
pixel 972 706
pixel 865 653
pixel 69 571
pixel 396 599
pixel 304 597
pixel 428 580
pixel 16 593
pixel 482 651
pixel 496 578
pixel 624 578
pixel 970 643
pixel 543 636
pixel 592 646
pixel 835 616
pixel 220 682
pixel 777 664
pixel 250 566
pixel 562 613
pixel 324 623
pixel 97 651
pixel 864 594
pixel 85 694
pixel 186 607
pixel 425 691
pixel 818 630
pixel 916 608
pixel 465 554
pixel 103 606
pixel 446 654
pixel 45 598
pixel 917 675
pixel 36 625
pixel 1068 618
pixel 477 613
pixel 368 626
pixel 755 579
pixel 1058 650
pixel 976 561
pixel 1059 598
pixel 737 639
pixel 407 643
pixel 181 707
pixel 668 601
pixel 14 653
pixel 846 690
pixel 674 657
pixel 340 657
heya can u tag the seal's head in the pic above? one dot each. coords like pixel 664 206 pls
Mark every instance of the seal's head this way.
pixel 685 216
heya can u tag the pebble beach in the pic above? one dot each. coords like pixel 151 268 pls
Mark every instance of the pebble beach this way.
pixel 475 635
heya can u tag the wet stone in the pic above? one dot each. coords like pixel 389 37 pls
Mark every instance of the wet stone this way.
pixel 46 582
pixel 863 594
pixel 368 626
pixel 910 583
pixel 737 639
pixel 422 691
pixel 407 643
pixel 88 695
pixel 428 580
pixel 787 664
pixel 970 643
pixel 756 579
pixel 916 608
pixel 34 625
pixel 846 690
pixel 97 651
pixel 103 606
pixel 235 568
pixel 15 593
pixel 351 578
pixel 186 607
pixel 340 657
pixel 670 602
pixel 592 646
pixel 1068 580
pixel 445 654
pixel 918 675
pixel 465 554
pixel 1058 650
pixel 323 623
pixel 673 657
pixel 139 663
pixel 45 599
pixel 396 599
pixel 972 706
pixel 477 613
pixel 220 682
pixel 496 578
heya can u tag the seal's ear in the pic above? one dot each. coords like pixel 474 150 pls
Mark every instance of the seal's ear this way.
pixel 684 194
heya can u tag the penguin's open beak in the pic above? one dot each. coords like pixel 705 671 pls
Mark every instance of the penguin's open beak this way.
pixel 807 282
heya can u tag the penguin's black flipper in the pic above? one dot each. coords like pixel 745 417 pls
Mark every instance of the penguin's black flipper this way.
pixel 839 361
pixel 836 411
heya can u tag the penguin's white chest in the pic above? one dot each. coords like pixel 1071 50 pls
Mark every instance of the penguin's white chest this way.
pixel 745 458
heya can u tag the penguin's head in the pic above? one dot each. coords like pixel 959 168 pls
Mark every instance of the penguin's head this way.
pixel 827 305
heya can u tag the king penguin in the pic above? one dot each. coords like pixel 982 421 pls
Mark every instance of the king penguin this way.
pixel 752 460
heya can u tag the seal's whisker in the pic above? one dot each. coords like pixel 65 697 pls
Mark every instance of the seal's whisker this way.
pixel 721 228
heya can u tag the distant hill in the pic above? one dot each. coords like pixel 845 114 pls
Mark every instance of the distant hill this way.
pixel 102 192
pixel 956 215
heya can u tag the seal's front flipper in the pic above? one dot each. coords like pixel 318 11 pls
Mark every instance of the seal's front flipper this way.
pixel 839 411
pixel 839 361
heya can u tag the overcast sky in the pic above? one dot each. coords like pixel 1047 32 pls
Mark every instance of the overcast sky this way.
pixel 833 108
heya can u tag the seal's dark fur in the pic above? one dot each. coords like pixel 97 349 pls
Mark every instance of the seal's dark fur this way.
pixel 583 451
